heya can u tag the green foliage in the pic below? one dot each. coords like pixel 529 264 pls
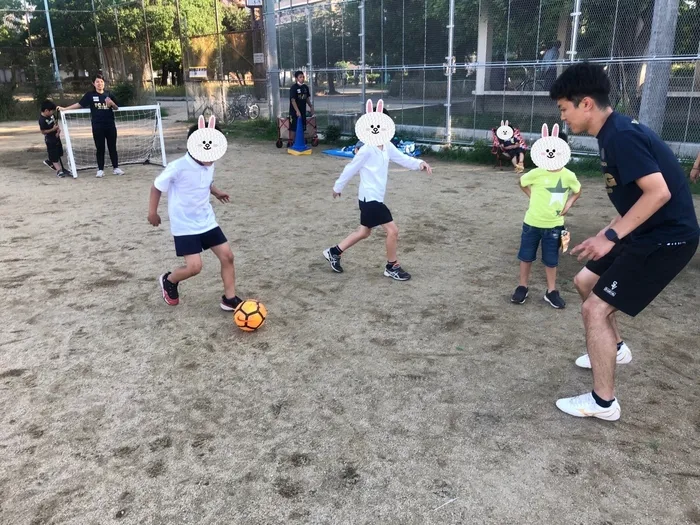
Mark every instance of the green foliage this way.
pixel 332 134
pixel 259 129
pixel 125 93
pixel 8 102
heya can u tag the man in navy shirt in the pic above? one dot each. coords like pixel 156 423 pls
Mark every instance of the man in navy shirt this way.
pixel 637 255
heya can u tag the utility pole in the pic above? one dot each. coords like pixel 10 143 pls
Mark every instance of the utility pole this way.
pixel 273 74
pixel 182 56
pixel 57 73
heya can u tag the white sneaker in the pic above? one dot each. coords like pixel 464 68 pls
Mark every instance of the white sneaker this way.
pixel 585 406
pixel 118 171
pixel 624 356
pixel 100 174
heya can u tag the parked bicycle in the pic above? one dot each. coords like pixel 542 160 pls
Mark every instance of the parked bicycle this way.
pixel 243 107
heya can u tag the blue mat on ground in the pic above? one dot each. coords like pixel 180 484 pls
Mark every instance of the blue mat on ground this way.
pixel 409 148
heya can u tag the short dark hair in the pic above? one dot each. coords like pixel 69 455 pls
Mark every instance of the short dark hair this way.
pixel 583 80
pixel 96 76
pixel 563 136
pixel 297 73
pixel 47 104
pixel 195 127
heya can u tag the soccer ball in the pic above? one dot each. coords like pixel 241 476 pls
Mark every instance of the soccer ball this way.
pixel 250 315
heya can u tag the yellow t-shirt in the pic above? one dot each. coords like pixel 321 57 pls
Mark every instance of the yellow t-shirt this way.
pixel 549 193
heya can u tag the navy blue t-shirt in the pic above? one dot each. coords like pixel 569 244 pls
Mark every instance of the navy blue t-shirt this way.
pixel 99 111
pixel 629 151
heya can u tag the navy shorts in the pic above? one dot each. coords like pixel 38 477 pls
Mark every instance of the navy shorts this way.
pixel 374 213
pixel 55 151
pixel 530 241
pixel 192 244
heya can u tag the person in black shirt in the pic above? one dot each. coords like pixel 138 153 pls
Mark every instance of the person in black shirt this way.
pixel 299 98
pixel 102 105
pixel 52 137
pixel 653 237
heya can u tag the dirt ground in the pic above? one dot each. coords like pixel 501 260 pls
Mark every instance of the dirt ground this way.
pixel 361 401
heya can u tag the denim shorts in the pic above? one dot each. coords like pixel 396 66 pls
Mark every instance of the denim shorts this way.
pixel 530 240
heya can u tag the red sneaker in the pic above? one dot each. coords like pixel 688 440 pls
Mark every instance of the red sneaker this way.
pixel 169 289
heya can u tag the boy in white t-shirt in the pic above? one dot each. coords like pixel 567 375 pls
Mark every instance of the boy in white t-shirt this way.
pixel 188 182
pixel 375 130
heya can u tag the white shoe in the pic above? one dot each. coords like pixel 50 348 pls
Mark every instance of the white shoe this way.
pixel 118 171
pixel 585 406
pixel 624 356
pixel 100 174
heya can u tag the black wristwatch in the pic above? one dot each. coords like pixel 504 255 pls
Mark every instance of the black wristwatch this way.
pixel 611 235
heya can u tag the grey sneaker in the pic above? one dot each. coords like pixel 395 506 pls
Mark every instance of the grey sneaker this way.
pixel 396 272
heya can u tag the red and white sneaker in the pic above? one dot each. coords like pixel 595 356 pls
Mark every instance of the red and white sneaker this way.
pixel 169 289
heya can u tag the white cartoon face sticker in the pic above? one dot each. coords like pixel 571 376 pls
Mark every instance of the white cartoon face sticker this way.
pixel 504 131
pixel 550 152
pixel 374 127
pixel 207 144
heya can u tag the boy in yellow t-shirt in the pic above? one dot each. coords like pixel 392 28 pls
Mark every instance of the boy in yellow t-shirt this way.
pixel 552 193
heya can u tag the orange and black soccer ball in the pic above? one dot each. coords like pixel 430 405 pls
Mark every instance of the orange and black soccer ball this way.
pixel 250 315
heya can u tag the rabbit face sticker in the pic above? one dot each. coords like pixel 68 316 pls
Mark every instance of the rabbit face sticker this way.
pixel 550 152
pixel 504 131
pixel 207 144
pixel 374 127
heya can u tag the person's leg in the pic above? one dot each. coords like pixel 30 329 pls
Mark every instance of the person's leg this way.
pixel 111 136
pixel 584 282
pixel 601 345
pixel 551 274
pixel 551 239
pixel 525 269
pixel 392 240
pixel 228 272
pixel 98 135
pixel 361 233
pixel 193 265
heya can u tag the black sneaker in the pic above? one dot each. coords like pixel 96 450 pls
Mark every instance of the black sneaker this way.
pixel 229 305
pixel 334 260
pixel 554 299
pixel 60 174
pixel 170 295
pixel 396 272
pixel 519 295
pixel 49 164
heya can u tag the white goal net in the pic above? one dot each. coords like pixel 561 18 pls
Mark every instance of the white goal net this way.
pixel 139 137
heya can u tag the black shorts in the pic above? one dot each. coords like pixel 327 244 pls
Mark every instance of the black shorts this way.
pixel 191 244
pixel 632 275
pixel 293 121
pixel 374 213
pixel 513 152
pixel 55 151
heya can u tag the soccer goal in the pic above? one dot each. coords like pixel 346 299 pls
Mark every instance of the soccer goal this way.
pixel 139 137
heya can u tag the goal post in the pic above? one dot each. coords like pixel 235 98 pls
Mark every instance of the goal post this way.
pixel 139 137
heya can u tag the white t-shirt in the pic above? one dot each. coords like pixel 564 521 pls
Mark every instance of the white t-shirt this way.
pixel 373 165
pixel 188 185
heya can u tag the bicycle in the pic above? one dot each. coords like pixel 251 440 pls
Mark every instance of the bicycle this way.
pixel 243 107
pixel 529 83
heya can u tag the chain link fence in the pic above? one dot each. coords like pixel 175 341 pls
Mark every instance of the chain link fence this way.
pixel 504 57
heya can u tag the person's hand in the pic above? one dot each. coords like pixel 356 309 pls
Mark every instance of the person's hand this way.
pixel 424 166
pixel 593 248
pixel 694 174
pixel 298 113
pixel 110 103
pixel 154 219
pixel 223 197
pixel 335 194
pixel 564 211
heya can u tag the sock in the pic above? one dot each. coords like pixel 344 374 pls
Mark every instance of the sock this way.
pixel 336 250
pixel 601 402
pixel 390 264
pixel 619 345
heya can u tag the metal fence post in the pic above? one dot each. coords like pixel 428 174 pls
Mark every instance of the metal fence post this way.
pixel 450 68
pixel 273 83
pixel 309 51
pixel 575 24
pixel 362 52
pixel 57 73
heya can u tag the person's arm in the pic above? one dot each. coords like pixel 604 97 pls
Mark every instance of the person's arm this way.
pixel 153 201
pixel 293 100
pixel 570 202
pixel 111 101
pixel 405 160
pixel 350 170
pixel 308 102
pixel 222 196
pixel 72 106
pixel 575 188
pixel 695 170
pixel 50 130
pixel 655 194
pixel 525 183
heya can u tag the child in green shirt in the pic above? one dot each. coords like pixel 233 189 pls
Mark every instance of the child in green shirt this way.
pixel 552 189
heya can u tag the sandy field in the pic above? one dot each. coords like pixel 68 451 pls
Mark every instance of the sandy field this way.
pixel 361 401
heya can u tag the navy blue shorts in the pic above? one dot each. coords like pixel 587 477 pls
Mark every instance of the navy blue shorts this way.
pixel 374 213
pixel 191 244
pixel 530 241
